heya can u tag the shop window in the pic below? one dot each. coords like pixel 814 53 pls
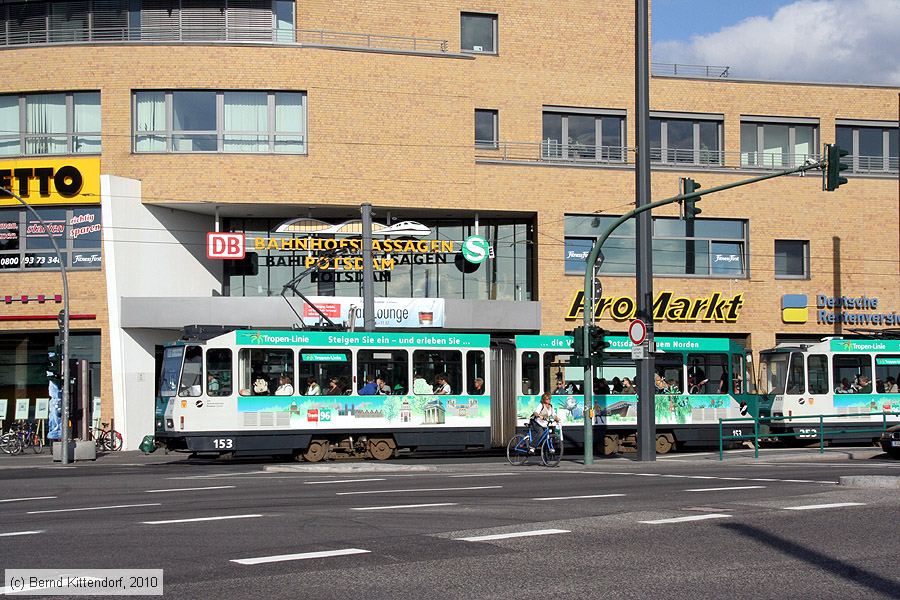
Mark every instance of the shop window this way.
pixel 476 376
pixel 796 382
pixel 324 372
pixel 478 33
pixel 817 373
pixel 887 374
pixel 219 121
pixel 852 374
pixel 486 128
pixel 433 368
pixel 390 366
pixel 218 372
pixel 54 123
pixel 531 373
pixel 191 372
pixel 791 259
pixel 778 144
pixel 261 371
pixel 707 374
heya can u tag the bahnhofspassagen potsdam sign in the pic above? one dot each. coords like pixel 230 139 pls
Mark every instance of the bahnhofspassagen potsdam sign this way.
pixel 667 306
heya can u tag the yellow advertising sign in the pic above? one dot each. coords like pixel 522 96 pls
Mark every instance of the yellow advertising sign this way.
pixel 667 306
pixel 51 180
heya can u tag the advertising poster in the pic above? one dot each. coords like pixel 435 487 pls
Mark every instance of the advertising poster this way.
pixel 389 312
pixel 41 408
pixel 22 406
pixel 54 420
pixel 3 404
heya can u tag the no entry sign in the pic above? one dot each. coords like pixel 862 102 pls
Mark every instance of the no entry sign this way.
pixel 637 331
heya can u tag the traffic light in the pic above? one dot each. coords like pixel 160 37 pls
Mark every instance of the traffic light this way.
pixel 598 343
pixel 689 186
pixel 831 174
pixel 54 362
pixel 579 360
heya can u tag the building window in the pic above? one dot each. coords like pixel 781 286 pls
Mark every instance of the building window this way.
pixel 26 245
pixel 55 123
pixel 478 33
pixel 872 149
pixel 486 128
pixel 686 141
pixel 702 248
pixel 585 135
pixel 791 259
pixel 778 144
pixel 46 22
pixel 210 121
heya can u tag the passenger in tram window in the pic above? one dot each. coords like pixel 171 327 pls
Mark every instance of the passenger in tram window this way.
pixel 478 387
pixel 312 387
pixel 879 386
pixel 334 388
pixel 260 385
pixel 601 387
pixel 440 385
pixel 890 386
pixel 212 385
pixel 285 387
pixel 560 389
pixel 616 385
pixel 723 383
pixel 627 386
pixel 370 388
pixel 736 383
pixel 672 387
pixel 844 387
pixel 865 386
pixel 696 377
pixel 383 388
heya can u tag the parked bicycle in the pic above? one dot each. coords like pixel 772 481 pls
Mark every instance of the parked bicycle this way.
pixel 549 446
pixel 106 439
pixel 21 436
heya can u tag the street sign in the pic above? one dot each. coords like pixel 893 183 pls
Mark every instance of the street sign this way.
pixel 638 352
pixel 225 245
pixel 637 331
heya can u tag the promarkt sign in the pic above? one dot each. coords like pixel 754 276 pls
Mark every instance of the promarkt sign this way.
pixel 667 306
pixel 40 181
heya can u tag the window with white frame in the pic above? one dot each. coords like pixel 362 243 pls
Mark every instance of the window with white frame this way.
pixel 686 139
pixel 873 146
pixel 778 143
pixel 791 259
pixel 51 123
pixel 486 127
pixel 478 32
pixel 240 121
pixel 583 134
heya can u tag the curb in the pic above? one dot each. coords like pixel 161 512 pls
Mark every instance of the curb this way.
pixel 887 482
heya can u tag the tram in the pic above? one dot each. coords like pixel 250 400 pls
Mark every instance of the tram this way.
pixel 856 379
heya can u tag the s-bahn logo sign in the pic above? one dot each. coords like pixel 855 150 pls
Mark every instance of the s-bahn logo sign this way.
pixel 335 251
pixel 667 306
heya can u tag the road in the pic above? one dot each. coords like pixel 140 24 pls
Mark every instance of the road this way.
pixel 686 526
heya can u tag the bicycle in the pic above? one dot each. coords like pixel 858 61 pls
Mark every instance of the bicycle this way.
pixel 549 445
pixel 21 436
pixel 106 439
pixel 10 443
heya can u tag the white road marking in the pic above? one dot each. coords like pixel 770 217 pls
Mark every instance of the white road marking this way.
pixel 447 489
pixel 212 475
pixel 503 536
pixel 579 497
pixel 342 481
pixel 818 506
pixel 303 556
pixel 725 489
pixel 15 533
pixel 482 475
pixel 26 499
pixel 404 506
pixel 59 510
pixel 213 487
pixel 223 518
pixel 686 519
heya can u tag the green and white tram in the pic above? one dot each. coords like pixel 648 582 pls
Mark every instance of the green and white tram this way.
pixel 265 392
pixel 854 378
pixel 699 381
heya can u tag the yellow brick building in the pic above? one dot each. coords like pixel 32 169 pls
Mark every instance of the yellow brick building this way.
pixel 240 117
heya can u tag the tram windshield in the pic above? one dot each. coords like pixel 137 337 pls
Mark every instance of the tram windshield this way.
pixel 773 369
pixel 171 370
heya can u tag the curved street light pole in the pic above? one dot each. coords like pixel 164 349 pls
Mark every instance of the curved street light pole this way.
pixel 64 325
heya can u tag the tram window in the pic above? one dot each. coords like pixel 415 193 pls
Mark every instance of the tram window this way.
pixel 887 374
pixel 475 372
pixel 737 374
pixel 428 365
pixel 262 369
pixel 708 374
pixel 618 375
pixel 669 375
pixel 323 366
pixel 559 377
pixel 852 373
pixel 749 373
pixel 168 377
pixel 796 383
pixel 817 373
pixel 218 372
pixel 531 372
pixel 191 372
pixel 392 366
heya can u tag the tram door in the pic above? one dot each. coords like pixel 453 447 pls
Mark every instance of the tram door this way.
pixel 503 392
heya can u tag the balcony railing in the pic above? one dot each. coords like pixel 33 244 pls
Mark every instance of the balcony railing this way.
pixel 148 34
pixel 343 39
pixel 551 151
pixel 874 165
pixel 680 70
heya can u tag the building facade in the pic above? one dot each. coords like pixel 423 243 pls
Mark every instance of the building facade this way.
pixel 275 120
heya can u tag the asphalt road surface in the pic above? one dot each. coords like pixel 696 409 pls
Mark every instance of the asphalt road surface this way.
pixel 686 526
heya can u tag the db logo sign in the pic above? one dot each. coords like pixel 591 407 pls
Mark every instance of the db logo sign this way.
pixel 225 245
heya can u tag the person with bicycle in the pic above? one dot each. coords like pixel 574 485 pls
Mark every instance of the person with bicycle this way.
pixel 541 418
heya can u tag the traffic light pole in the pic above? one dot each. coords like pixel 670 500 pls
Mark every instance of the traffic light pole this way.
pixel 64 326
pixel 590 302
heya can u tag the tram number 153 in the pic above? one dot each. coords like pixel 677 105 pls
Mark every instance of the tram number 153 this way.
pixel 223 443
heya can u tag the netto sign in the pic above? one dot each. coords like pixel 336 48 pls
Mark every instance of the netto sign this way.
pixel 40 181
